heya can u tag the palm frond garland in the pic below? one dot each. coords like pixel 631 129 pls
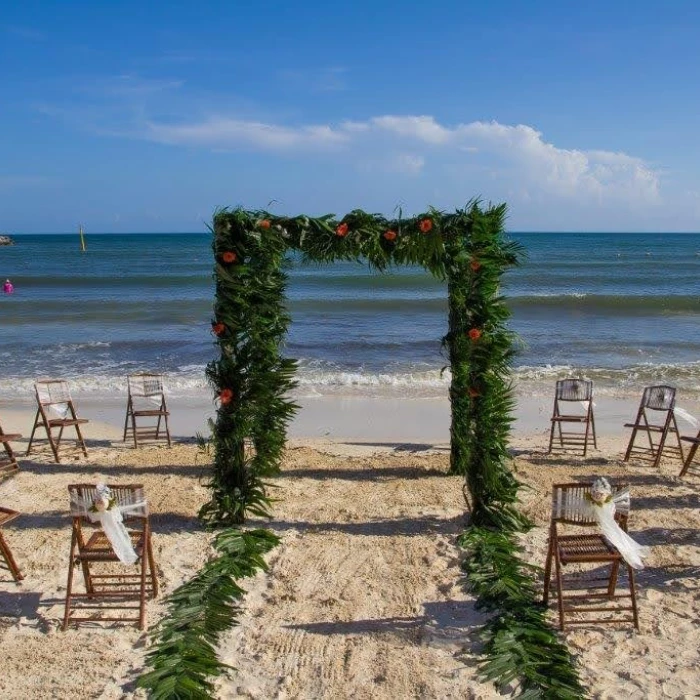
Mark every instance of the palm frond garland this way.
pixel 251 380
pixel 183 658
pixel 519 645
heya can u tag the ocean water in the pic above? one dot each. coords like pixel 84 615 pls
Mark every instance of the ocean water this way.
pixel 623 309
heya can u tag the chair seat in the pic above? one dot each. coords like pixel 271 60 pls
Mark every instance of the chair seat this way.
pixel 151 412
pixel 66 422
pixel 99 548
pixel 569 419
pixel 650 428
pixel 10 437
pixel 694 440
pixel 6 515
pixel 583 548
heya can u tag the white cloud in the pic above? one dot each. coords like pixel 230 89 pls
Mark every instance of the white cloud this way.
pixel 421 128
pixel 489 158
pixel 517 155
pixel 221 132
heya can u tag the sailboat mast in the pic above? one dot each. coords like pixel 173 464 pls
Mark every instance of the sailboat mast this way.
pixel 82 239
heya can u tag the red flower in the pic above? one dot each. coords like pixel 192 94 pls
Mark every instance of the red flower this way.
pixel 390 235
pixel 218 328
pixel 226 396
pixel 425 225
pixel 473 393
pixel 475 264
pixel 229 257
pixel 265 223
pixel 342 230
pixel 475 334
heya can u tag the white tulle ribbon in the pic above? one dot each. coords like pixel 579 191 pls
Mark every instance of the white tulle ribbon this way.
pixel 687 417
pixel 602 507
pixel 110 515
pixel 60 409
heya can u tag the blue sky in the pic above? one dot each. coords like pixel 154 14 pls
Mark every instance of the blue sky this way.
pixel 147 116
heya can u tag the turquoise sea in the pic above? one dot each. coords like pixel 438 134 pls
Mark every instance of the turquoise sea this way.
pixel 623 309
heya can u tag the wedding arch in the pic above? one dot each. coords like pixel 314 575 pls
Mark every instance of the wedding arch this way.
pixel 467 248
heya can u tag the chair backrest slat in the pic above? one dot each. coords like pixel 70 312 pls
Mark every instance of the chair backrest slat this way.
pixel 569 503
pixel 145 385
pixel 659 398
pixel 52 391
pixel 574 390
pixel 83 495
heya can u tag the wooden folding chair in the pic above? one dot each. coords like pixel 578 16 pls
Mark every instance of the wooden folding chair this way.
pixel 110 591
pixel 146 400
pixel 8 463
pixel 662 400
pixel 53 396
pixel 583 548
pixel 578 391
pixel 689 463
pixel 6 515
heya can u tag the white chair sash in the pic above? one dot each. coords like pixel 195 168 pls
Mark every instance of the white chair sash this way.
pixel 601 507
pixel 111 520
pixel 686 416
pixel 604 515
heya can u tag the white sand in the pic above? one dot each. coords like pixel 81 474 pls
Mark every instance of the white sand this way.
pixel 362 599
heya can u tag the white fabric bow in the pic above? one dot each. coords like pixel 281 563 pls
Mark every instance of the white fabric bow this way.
pixel 109 515
pixel 602 507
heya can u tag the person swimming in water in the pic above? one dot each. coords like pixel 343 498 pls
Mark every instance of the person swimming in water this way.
pixel 8 288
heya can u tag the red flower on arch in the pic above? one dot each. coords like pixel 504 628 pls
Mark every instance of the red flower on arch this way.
pixel 226 396
pixel 475 264
pixel 218 328
pixel 473 392
pixel 390 235
pixel 265 223
pixel 425 225
pixel 342 230
pixel 475 334
pixel 229 256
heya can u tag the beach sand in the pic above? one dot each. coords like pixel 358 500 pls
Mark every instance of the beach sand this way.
pixel 363 596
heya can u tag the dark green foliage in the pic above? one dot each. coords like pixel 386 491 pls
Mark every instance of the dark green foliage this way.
pixel 183 659
pixel 520 646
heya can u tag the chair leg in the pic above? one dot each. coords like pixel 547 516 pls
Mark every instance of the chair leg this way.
pixel 31 437
pixel 678 437
pixel 81 440
pixel 633 593
pixel 551 438
pixel 69 584
pixel 9 559
pixel 612 584
pixel 8 451
pixel 560 590
pixel 547 572
pixel 87 576
pixel 630 445
pixel 54 445
pixel 595 444
pixel 142 593
pixel 126 419
pixel 662 442
pixel 167 430
pixel 152 566
pixel 689 459
pixel 133 428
